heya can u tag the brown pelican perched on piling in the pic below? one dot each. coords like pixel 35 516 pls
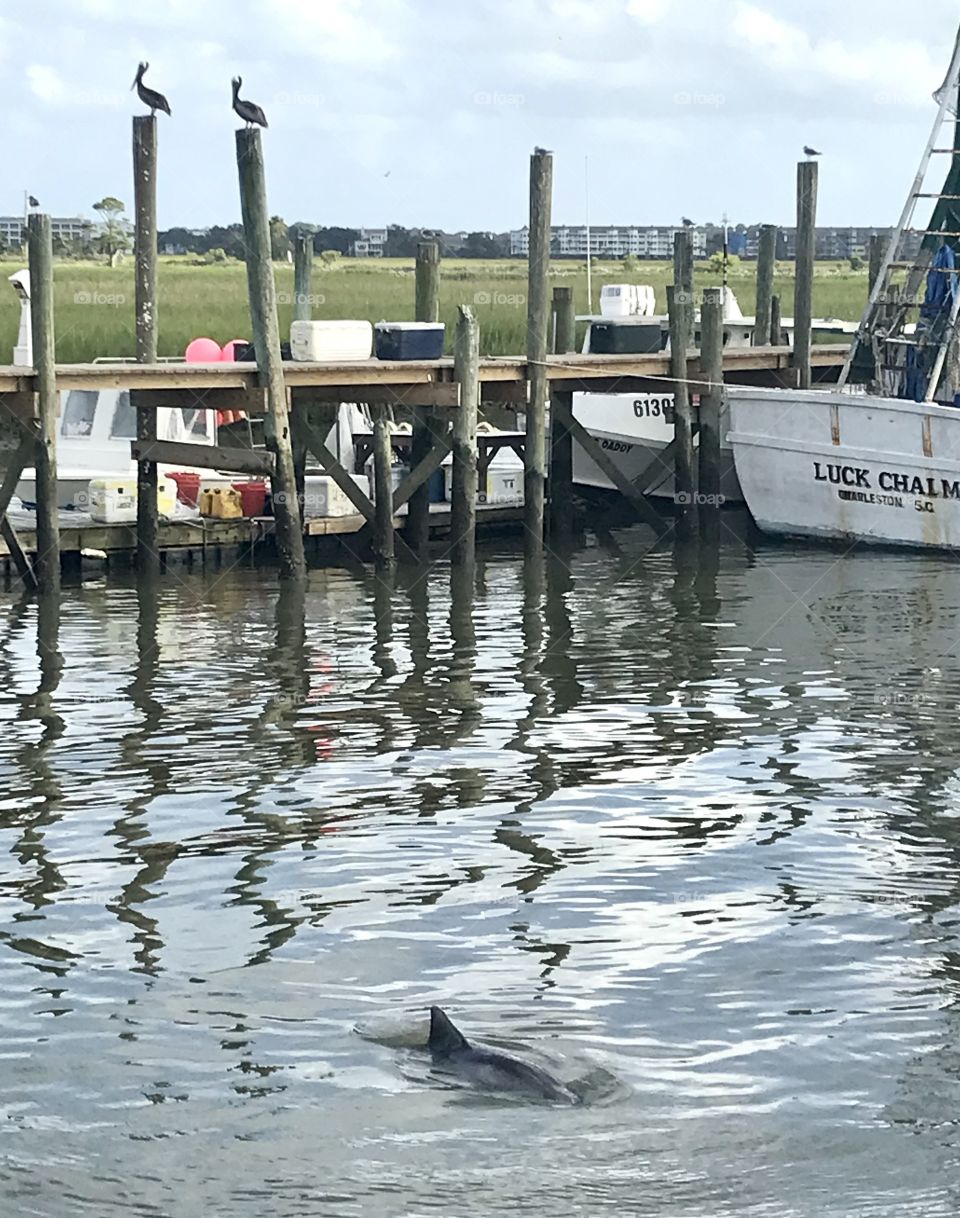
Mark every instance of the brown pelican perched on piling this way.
pixel 150 97
pixel 249 111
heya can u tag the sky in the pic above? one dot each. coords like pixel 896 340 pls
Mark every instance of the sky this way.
pixel 424 112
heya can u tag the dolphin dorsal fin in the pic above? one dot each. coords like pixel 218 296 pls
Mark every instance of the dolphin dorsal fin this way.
pixel 444 1037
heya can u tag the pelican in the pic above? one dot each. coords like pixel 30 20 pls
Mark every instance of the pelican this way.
pixel 150 97
pixel 249 111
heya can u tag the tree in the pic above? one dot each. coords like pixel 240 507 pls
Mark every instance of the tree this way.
pixel 856 263
pixel 631 264
pixel 279 238
pixel 480 245
pixel 716 261
pixel 329 257
pixel 114 234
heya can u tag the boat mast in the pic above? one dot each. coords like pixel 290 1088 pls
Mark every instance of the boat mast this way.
pixel 586 202
pixel 945 96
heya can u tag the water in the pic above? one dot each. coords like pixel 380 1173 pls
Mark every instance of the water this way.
pixel 689 836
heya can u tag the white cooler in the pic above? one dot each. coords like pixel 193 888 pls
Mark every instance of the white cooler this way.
pixel 322 497
pixel 316 341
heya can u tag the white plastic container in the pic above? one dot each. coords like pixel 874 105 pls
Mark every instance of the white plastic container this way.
pixel 322 497
pixel 397 475
pixel 317 341
pixel 504 482
pixel 114 500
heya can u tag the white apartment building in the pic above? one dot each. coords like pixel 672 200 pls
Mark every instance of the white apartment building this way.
pixel 371 243
pixel 611 241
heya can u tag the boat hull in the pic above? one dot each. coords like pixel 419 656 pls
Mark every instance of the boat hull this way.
pixel 848 468
pixel 634 429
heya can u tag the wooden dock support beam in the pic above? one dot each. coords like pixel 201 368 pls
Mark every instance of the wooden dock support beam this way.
pixel 266 337
pixel 807 172
pixel 538 311
pixel 561 406
pixel 711 397
pixel 463 498
pixel 426 308
pixel 680 310
pixel 303 277
pixel 145 310
pixel 383 535
pixel 45 453
pixel 878 245
pixel 766 263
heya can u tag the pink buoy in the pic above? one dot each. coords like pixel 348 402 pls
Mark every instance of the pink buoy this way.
pixel 202 351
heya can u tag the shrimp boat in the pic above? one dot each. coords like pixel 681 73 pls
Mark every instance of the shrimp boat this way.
pixel 877 457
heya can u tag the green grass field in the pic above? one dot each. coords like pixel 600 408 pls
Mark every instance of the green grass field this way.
pixel 94 302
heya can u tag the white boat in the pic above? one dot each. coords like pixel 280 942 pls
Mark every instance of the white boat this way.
pixel 96 428
pixel 635 428
pixel 836 465
pixel 880 466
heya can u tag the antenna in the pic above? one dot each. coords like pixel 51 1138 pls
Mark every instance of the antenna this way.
pixel 586 204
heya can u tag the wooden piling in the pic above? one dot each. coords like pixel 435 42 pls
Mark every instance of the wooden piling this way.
pixel 683 277
pixel 426 308
pixel 383 535
pixel 807 172
pixel 40 246
pixel 303 277
pixel 681 324
pixel 538 308
pixel 776 322
pixel 463 498
pixel 561 405
pixel 266 339
pixel 766 263
pixel 145 307
pixel 564 321
pixel 711 397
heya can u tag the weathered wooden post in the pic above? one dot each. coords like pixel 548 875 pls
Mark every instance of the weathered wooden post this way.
pixel 266 338
pixel 681 324
pixel 806 249
pixel 426 308
pixel 463 497
pixel 40 247
pixel 383 538
pixel 538 311
pixel 683 276
pixel 303 277
pixel 145 309
pixel 711 396
pixel 766 262
pixel 561 441
pixel 776 322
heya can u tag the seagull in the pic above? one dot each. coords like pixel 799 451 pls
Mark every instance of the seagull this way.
pixel 249 111
pixel 686 222
pixel 150 97
pixel 808 151
pixel 542 152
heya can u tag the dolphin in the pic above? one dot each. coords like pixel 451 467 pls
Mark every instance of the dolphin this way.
pixel 488 1069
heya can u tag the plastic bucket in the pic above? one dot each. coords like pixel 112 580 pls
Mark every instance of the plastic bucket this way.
pixel 253 497
pixel 188 487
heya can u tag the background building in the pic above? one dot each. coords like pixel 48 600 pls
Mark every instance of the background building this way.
pixel 371 243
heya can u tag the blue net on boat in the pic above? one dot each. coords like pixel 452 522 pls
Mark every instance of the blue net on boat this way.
pixel 932 324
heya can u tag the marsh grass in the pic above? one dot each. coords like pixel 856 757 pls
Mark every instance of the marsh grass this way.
pixel 94 302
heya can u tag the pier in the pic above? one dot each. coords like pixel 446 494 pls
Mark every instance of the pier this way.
pixel 443 400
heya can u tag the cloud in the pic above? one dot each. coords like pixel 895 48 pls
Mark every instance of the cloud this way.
pixel 46 83
pixel 344 31
pixel 647 12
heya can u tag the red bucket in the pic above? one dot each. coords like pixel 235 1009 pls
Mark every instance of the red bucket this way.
pixel 188 487
pixel 253 496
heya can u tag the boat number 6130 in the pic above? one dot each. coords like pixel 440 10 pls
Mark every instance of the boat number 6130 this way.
pixel 652 407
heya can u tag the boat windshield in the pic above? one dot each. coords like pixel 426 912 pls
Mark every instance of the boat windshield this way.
pixel 124 424
pixel 78 413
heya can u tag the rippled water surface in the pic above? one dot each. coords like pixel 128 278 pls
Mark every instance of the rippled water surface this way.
pixel 690 829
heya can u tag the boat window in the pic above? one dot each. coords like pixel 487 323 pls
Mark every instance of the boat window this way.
pixel 78 413
pixel 196 423
pixel 124 425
